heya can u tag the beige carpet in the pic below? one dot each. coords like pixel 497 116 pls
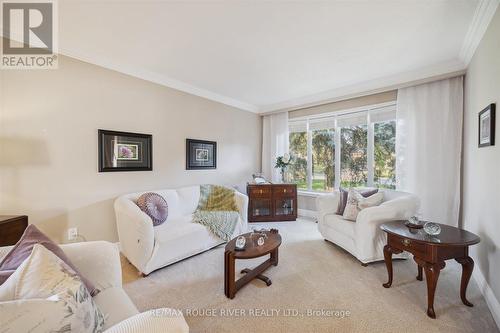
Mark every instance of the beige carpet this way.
pixel 312 275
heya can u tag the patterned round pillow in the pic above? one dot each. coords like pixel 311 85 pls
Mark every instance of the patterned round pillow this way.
pixel 155 206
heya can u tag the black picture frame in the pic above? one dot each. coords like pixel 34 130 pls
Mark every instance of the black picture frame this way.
pixel 201 154
pixel 486 126
pixel 137 151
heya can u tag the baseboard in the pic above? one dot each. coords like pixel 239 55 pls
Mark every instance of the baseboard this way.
pixel 488 294
pixel 308 213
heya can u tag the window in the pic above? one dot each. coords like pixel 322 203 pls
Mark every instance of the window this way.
pixel 323 154
pixel 297 171
pixel 350 150
pixel 354 171
pixel 385 154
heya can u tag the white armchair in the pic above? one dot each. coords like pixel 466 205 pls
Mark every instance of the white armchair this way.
pixel 363 238
pixel 99 261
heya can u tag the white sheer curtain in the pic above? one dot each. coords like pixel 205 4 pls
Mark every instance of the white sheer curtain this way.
pixel 429 145
pixel 274 143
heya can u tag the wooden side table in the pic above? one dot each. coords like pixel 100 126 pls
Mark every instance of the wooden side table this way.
pixel 12 228
pixel 430 253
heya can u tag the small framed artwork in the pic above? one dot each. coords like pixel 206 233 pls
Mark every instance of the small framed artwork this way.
pixel 123 151
pixel 201 154
pixel 487 126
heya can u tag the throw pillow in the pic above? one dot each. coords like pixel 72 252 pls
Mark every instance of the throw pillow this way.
pixel 357 202
pixel 343 198
pixel 371 201
pixel 45 295
pixel 155 206
pixel 23 248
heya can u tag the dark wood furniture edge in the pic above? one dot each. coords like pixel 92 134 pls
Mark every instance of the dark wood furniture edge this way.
pixel 430 258
pixel 12 228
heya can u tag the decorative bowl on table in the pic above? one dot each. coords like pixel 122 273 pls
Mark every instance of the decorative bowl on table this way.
pixel 432 228
pixel 414 223
pixel 259 236
pixel 240 243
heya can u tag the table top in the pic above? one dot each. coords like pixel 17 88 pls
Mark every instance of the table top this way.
pixel 252 250
pixel 8 218
pixel 449 235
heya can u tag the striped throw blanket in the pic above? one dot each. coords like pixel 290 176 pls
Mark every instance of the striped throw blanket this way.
pixel 217 210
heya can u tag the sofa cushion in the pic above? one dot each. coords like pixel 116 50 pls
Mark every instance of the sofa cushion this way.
pixel 116 306
pixel 177 228
pixel 23 248
pixel 178 239
pixel 174 203
pixel 339 224
pixel 155 206
pixel 189 197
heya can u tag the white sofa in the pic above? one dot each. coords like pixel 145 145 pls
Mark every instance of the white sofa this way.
pixel 99 261
pixel 149 248
pixel 363 238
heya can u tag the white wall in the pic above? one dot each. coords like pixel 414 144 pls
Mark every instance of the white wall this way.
pixel 48 143
pixel 481 183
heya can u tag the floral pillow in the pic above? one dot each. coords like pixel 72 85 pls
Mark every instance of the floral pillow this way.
pixel 357 202
pixel 45 295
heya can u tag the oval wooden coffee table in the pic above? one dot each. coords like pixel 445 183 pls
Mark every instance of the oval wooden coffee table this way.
pixel 430 253
pixel 252 250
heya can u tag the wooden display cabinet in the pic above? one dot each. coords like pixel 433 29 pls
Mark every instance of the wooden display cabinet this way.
pixel 272 202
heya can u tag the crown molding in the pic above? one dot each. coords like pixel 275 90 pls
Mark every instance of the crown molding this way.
pixel 159 79
pixel 375 86
pixel 153 77
pixel 485 11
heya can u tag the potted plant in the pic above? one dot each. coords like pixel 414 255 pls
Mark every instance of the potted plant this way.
pixel 282 163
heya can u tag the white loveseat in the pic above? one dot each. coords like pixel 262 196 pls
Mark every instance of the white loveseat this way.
pixel 99 261
pixel 363 238
pixel 149 248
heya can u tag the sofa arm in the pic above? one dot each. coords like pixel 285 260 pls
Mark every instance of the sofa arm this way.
pixel 242 204
pixel 369 238
pixel 153 321
pixel 135 231
pixel 397 209
pixel 98 261
pixel 327 204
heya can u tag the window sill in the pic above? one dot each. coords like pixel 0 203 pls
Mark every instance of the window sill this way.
pixel 311 194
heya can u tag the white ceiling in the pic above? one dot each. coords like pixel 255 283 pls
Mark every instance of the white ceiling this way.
pixel 268 55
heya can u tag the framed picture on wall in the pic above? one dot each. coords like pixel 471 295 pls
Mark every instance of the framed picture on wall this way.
pixel 201 154
pixel 487 126
pixel 124 151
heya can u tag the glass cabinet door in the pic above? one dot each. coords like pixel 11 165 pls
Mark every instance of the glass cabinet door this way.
pixel 261 207
pixel 284 206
